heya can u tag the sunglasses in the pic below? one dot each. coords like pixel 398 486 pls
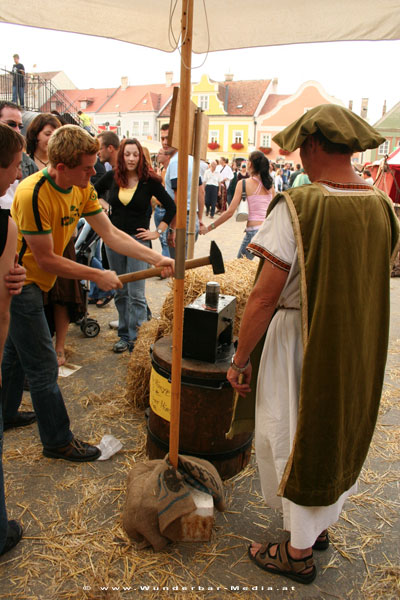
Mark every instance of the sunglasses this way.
pixel 13 124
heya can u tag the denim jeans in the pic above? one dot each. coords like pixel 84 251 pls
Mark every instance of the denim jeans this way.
pixel 130 300
pixel 94 291
pixel 3 511
pixel 248 236
pixel 197 229
pixel 18 90
pixel 159 213
pixel 29 351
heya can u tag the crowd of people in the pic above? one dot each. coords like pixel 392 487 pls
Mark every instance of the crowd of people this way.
pixel 311 309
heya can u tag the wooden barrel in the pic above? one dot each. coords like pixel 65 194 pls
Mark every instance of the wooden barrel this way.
pixel 205 415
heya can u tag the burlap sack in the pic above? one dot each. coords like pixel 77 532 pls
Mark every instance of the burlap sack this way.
pixel 158 495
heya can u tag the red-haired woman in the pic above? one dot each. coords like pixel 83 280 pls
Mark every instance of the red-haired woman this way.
pixel 128 191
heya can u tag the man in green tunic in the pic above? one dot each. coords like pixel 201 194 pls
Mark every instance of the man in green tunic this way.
pixel 323 294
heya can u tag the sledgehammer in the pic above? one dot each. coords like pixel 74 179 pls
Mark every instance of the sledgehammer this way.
pixel 215 260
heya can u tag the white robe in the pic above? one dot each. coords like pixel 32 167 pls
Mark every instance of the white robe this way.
pixel 278 389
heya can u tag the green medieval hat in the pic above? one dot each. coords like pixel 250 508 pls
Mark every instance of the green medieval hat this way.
pixel 339 125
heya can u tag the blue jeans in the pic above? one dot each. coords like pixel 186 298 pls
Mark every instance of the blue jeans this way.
pixel 3 511
pixel 159 213
pixel 130 300
pixel 29 351
pixel 94 291
pixel 18 90
pixel 197 229
pixel 248 236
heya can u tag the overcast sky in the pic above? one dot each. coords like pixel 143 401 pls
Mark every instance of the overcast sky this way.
pixel 347 70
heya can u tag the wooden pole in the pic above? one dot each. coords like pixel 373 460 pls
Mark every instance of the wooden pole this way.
pixel 181 211
pixel 195 184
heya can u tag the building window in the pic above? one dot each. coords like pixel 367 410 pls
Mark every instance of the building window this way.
pixel 145 128
pixel 384 148
pixel 135 128
pixel 203 102
pixel 266 140
pixel 214 137
pixel 237 137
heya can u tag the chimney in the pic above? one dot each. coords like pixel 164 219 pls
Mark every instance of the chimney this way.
pixel 350 104
pixel 364 107
pixel 384 108
pixel 124 83
pixel 168 78
pixel 228 76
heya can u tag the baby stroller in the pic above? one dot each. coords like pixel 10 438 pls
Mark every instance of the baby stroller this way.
pixel 85 248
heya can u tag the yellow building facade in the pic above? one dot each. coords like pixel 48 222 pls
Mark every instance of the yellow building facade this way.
pixel 229 135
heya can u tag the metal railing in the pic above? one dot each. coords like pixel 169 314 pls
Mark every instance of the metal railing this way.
pixel 40 95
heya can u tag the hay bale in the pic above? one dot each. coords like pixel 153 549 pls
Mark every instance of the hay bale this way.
pixel 236 281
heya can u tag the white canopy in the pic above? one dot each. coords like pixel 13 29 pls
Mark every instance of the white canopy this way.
pixel 217 25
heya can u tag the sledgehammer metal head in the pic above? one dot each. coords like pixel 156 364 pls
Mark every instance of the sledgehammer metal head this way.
pixel 214 259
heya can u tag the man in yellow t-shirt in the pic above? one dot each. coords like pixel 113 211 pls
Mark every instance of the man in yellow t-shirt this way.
pixel 86 121
pixel 46 209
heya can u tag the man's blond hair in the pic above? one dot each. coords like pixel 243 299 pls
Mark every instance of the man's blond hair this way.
pixel 68 144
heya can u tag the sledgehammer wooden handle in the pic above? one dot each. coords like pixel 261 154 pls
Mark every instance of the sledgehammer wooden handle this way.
pixel 156 271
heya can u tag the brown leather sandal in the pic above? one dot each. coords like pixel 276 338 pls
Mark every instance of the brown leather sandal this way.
pixel 322 541
pixel 283 564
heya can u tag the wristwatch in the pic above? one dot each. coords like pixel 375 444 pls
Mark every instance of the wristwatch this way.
pixel 239 369
pixel 160 231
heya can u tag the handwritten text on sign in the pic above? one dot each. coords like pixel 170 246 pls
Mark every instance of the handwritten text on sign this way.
pixel 160 395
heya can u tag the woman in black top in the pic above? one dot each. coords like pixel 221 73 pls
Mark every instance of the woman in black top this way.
pixel 128 191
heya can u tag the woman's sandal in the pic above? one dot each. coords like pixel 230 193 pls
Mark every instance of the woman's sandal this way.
pixel 103 301
pixel 322 541
pixel 281 563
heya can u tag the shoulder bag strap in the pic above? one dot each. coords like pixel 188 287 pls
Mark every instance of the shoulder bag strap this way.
pixel 244 194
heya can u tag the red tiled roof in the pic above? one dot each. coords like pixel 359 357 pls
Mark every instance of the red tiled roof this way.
pixel 128 100
pixel 150 102
pixel 272 101
pixel 232 94
pixel 166 112
pixel 94 97
pixel 242 97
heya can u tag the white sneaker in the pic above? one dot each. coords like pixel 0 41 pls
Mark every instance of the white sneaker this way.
pixel 113 324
